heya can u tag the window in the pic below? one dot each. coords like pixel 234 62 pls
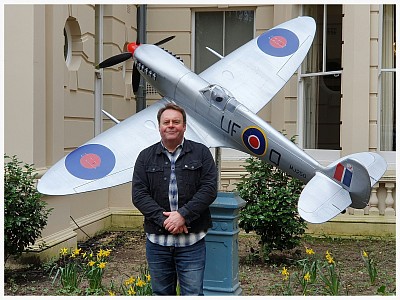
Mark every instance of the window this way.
pixel 72 44
pixel 387 78
pixel 321 79
pixel 67 44
pixel 222 31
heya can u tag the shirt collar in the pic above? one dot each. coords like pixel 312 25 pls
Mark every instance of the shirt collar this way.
pixel 179 146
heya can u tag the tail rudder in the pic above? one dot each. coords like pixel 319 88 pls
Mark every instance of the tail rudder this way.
pixel 357 173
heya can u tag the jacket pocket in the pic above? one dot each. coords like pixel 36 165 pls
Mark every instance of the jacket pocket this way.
pixel 155 175
pixel 192 174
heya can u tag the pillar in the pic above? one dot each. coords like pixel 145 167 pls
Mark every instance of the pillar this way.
pixel 222 262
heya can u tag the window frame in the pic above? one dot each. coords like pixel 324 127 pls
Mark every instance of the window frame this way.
pixel 216 9
pixel 301 113
pixel 382 70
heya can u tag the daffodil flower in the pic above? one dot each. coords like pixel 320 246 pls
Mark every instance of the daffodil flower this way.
pixel 329 257
pixel 310 251
pixel 129 281
pixel 307 277
pixel 285 273
pixel 131 291
pixel 140 283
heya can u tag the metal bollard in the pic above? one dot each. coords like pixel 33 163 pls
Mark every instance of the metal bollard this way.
pixel 222 261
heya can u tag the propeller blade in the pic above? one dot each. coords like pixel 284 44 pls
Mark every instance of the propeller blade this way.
pixel 116 59
pixel 135 79
pixel 164 40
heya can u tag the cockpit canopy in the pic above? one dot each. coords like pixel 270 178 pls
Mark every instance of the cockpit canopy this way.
pixel 217 95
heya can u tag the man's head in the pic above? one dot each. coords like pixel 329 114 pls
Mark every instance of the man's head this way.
pixel 172 125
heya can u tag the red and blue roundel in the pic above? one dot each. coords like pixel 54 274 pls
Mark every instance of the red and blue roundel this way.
pixel 254 139
pixel 278 42
pixel 89 162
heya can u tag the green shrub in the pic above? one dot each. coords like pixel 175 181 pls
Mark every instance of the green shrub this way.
pixel 271 208
pixel 24 212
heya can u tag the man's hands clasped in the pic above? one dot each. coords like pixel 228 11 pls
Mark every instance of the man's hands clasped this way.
pixel 175 223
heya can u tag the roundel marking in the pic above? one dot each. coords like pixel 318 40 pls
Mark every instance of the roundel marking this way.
pixel 278 42
pixel 254 139
pixel 90 162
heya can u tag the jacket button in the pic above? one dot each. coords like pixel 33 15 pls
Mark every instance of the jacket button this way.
pixel 165 178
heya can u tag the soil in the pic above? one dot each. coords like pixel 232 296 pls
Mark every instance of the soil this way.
pixel 256 276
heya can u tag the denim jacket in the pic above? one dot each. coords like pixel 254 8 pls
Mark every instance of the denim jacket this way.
pixel 196 176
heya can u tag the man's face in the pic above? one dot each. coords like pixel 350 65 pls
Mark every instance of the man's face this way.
pixel 172 128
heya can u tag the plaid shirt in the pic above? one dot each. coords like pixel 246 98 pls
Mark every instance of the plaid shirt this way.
pixel 178 240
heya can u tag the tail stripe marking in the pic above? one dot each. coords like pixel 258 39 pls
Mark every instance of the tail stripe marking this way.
pixel 344 175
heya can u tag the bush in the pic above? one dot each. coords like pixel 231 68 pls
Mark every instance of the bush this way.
pixel 24 213
pixel 271 209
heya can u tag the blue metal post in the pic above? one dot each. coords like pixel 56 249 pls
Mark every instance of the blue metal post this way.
pixel 222 262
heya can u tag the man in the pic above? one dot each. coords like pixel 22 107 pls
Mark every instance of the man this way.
pixel 174 182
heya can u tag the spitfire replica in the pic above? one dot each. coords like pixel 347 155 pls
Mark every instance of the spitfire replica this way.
pixel 221 105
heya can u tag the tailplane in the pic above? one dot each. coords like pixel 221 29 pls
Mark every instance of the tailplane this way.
pixel 357 173
pixel 346 182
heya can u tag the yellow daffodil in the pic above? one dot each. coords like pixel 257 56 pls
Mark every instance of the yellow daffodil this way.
pixel 329 257
pixel 140 283
pixel 285 273
pixel 77 251
pixel 131 291
pixel 310 251
pixel 111 293
pixel 102 265
pixel 365 254
pixel 148 278
pixel 307 277
pixel 64 251
pixel 129 281
pixel 91 263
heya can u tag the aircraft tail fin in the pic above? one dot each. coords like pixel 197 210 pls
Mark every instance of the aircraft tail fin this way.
pixel 346 182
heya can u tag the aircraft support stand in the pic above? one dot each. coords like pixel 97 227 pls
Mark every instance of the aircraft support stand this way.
pixel 222 262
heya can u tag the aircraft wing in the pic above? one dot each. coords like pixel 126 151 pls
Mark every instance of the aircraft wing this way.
pixel 108 159
pixel 256 71
pixel 322 199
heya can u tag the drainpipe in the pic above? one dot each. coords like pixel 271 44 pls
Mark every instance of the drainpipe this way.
pixel 98 81
pixel 141 29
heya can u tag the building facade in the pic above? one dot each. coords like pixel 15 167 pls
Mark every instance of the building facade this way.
pixel 341 100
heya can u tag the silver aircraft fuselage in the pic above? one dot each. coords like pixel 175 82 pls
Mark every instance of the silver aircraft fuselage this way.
pixel 218 109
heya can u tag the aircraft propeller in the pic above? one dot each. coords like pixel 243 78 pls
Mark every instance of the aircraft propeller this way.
pixel 119 58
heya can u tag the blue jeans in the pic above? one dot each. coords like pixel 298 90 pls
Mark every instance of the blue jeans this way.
pixel 167 265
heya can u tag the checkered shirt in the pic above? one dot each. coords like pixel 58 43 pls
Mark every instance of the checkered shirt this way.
pixel 182 239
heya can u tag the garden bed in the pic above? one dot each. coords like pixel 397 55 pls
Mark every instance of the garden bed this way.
pixel 256 276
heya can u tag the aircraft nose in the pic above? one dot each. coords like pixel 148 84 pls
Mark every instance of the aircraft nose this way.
pixel 132 47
